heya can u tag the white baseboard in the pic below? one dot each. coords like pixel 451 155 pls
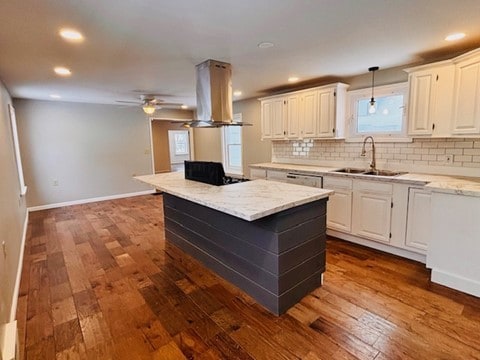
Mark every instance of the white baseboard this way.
pixel 18 278
pixel 86 201
pixel 456 282
pixel 8 341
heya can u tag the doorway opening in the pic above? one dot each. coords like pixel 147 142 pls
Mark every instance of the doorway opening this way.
pixel 171 145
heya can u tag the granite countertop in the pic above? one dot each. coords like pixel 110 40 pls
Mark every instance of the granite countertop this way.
pixel 250 200
pixel 469 186
pixel 309 169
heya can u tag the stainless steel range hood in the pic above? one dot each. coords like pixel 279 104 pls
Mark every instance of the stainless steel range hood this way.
pixel 214 95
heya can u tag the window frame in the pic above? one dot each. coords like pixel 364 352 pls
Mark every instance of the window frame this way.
pixel 16 149
pixel 234 170
pixel 380 91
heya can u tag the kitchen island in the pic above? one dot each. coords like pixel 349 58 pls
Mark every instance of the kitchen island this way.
pixel 267 238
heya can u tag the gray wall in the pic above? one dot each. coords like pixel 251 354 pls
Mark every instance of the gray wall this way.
pixel 91 150
pixel 12 211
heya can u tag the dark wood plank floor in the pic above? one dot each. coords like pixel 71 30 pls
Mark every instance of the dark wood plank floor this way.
pixel 100 282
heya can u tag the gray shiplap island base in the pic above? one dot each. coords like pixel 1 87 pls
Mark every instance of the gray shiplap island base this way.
pixel 277 259
pixel 266 237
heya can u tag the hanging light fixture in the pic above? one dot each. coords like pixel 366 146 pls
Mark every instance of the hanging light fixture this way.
pixel 372 108
pixel 148 108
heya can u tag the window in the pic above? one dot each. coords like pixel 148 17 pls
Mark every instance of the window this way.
pixel 232 147
pixel 181 142
pixel 389 120
pixel 16 146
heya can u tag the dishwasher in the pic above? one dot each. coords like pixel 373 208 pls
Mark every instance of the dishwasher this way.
pixel 305 179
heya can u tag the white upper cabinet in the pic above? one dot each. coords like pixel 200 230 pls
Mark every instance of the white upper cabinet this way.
pixel 309 114
pixel 312 113
pixel 326 113
pixel 293 115
pixel 430 99
pixel 466 118
pixel 273 119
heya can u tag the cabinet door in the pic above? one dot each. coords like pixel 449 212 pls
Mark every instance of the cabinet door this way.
pixel 326 113
pixel 466 119
pixel 372 215
pixel 339 210
pixel 418 219
pixel 422 99
pixel 293 106
pixel 267 116
pixel 278 119
pixel 309 114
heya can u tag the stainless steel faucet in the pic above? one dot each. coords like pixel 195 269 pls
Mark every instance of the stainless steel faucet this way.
pixel 373 163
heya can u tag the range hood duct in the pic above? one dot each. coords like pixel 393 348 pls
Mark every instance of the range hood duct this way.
pixel 214 95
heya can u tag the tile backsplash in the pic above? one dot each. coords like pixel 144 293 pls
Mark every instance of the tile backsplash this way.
pixel 421 153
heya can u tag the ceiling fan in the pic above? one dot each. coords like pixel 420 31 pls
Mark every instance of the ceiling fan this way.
pixel 150 103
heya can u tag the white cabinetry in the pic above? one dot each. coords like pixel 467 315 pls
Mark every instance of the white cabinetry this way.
pixel 372 205
pixel 277 175
pixel 418 220
pixel 273 126
pixel 339 205
pixel 430 99
pixel 258 174
pixel 466 118
pixel 312 113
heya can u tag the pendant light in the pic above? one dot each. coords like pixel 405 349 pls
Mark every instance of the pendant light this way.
pixel 372 108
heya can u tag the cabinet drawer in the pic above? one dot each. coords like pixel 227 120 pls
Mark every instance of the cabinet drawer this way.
pixel 373 186
pixel 334 182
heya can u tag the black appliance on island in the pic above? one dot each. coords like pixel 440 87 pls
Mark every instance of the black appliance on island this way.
pixel 209 172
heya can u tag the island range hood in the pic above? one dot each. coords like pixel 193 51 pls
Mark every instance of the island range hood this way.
pixel 214 95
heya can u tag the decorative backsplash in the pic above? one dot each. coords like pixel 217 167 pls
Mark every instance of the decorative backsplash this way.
pixel 451 152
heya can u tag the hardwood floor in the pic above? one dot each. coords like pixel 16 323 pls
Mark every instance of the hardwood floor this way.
pixel 100 282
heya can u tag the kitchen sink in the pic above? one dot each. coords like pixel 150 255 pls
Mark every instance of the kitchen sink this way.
pixel 369 172
pixel 384 173
pixel 351 171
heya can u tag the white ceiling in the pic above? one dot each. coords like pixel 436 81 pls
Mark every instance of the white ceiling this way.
pixel 151 46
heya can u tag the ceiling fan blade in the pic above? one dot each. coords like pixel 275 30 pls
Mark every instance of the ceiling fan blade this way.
pixel 128 102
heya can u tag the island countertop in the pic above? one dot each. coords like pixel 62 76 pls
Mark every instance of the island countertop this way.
pixel 250 200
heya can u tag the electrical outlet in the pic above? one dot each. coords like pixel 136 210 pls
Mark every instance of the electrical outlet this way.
pixel 147 152
pixel 54 182
pixel 448 159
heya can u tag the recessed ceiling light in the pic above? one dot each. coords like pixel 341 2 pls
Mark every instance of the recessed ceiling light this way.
pixel 293 79
pixel 55 96
pixel 237 93
pixel 62 71
pixel 71 35
pixel 456 36
pixel 265 45
pixel 184 107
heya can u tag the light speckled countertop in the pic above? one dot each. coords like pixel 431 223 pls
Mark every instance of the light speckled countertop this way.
pixel 469 186
pixel 250 200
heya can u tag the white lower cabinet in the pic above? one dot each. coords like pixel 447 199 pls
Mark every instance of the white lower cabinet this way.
pixel 372 208
pixel 258 174
pixel 339 205
pixel 418 219
pixel 277 175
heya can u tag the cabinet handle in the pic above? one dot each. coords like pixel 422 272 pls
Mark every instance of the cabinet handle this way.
pixel 333 130
pixel 433 126
pixel 284 133
pixel 437 77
